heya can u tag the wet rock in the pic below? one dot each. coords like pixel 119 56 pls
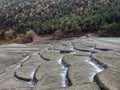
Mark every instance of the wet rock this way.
pixel 8 73
pixel 9 58
pixel 25 47
pixel 16 89
pixel 83 53
pixel 108 79
pixel 12 83
pixel 33 58
pixel 46 68
pixel 80 73
pixel 63 43
pixel 72 59
pixel 88 43
pixel 64 48
pixel 108 59
pixel 52 80
pixel 23 89
pixel 86 86
pixel 105 46
pixel 8 82
pixel 49 74
pixel 13 46
pixel 25 72
pixel 81 47
pixel 42 45
pixel 9 49
pixel 51 55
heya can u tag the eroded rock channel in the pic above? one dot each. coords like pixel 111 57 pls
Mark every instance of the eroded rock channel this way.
pixel 69 64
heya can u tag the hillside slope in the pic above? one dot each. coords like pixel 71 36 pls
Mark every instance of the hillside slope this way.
pixel 70 16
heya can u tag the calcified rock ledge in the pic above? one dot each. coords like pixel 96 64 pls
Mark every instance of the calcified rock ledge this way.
pixel 70 64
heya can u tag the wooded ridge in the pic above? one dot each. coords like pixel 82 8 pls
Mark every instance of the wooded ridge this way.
pixel 69 16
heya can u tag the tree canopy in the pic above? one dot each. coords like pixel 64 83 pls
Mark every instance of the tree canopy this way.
pixel 47 16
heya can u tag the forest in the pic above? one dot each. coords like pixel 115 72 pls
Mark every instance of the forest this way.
pixel 69 16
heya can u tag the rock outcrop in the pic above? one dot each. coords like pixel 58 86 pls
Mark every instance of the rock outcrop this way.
pixel 71 64
pixel 109 78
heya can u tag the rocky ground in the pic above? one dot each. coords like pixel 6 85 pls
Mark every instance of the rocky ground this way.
pixel 70 64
